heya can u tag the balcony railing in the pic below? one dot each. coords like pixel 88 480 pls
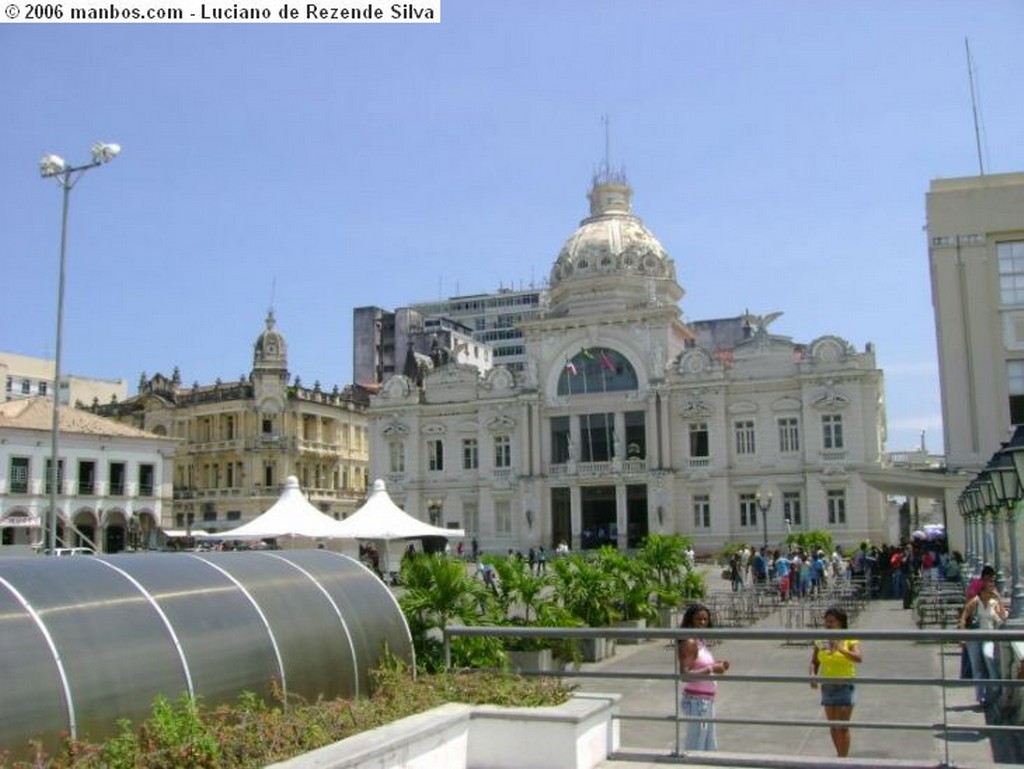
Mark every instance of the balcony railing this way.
pixel 322 447
pixel 697 463
pixel 634 466
pixel 833 455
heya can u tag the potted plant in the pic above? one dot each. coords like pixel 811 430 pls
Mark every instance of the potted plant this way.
pixel 543 653
pixel 675 580
pixel 517 601
pixel 632 586
pixel 437 593
pixel 583 589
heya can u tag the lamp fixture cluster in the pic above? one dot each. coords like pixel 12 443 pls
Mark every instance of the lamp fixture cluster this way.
pixel 55 165
pixel 992 496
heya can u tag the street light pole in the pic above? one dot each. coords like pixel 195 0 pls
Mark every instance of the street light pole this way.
pixel 764 504
pixel 54 167
pixel 1013 490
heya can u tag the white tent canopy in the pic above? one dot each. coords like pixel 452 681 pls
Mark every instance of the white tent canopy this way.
pixel 381 519
pixel 291 516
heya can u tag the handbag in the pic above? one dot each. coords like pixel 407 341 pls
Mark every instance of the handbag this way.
pixel 973 623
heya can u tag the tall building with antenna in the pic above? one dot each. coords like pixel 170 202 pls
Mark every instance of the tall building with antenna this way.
pixel 976 254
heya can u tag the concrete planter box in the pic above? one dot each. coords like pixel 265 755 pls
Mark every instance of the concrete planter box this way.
pixel 632 624
pixel 577 735
pixel 668 617
pixel 540 659
pixel 597 649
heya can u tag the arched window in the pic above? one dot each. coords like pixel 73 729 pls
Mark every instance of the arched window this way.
pixel 596 370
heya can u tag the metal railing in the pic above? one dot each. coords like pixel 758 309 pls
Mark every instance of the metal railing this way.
pixel 788 635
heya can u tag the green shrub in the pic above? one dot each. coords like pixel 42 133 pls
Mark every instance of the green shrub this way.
pixel 252 733
pixel 812 541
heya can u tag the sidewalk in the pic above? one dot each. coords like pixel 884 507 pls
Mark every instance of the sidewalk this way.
pixel 651 743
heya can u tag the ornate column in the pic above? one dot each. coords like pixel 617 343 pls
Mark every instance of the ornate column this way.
pixel 621 516
pixel 1017 597
pixel 575 516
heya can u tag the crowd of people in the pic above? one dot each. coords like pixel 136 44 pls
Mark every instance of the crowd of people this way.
pixel 887 571
pixel 797 573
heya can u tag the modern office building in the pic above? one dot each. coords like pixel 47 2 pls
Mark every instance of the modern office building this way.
pixel 976 254
pixel 114 481
pixel 28 377
pixel 493 319
pixel 240 440
pixel 385 343
pixel 625 420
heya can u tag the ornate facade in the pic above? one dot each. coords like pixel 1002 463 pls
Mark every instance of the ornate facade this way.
pixel 625 420
pixel 240 440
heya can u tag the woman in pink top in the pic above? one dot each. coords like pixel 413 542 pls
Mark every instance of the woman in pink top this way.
pixel 698 701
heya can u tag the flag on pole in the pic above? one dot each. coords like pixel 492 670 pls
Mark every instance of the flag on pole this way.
pixel 605 361
pixel 586 353
pixel 570 367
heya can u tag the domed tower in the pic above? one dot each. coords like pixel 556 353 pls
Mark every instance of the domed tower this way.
pixel 270 365
pixel 612 262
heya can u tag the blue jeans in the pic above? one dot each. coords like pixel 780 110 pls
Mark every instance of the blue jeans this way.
pixel 983 665
pixel 700 735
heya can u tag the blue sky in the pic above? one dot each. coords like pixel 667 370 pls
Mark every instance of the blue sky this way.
pixel 781 151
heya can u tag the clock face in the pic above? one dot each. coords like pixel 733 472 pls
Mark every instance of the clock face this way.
pixel 271 349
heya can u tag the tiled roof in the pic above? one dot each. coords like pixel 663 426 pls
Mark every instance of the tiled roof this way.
pixel 37 414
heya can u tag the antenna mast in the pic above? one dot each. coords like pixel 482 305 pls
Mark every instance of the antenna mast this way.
pixel 607 144
pixel 974 106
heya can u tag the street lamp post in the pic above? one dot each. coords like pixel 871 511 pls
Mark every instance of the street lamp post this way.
pixel 1013 491
pixel 991 507
pixel 54 167
pixel 434 508
pixel 968 544
pixel 764 504
pixel 974 502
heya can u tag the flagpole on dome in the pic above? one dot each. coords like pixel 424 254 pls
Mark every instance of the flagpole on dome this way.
pixel 570 372
pixel 584 354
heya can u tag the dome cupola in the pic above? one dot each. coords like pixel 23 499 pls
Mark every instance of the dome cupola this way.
pixel 612 254
pixel 270 351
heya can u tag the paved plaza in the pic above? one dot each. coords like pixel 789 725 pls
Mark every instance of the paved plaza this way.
pixel 647 743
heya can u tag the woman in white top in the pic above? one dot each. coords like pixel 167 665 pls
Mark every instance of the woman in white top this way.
pixel 989 610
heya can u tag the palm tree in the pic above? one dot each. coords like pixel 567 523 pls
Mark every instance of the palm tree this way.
pixel 584 590
pixel 518 586
pixel 632 582
pixel 437 591
pixel 665 554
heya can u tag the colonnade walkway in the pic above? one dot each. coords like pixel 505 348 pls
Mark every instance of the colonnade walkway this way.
pixel 648 744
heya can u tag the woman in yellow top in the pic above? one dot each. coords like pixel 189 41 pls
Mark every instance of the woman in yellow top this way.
pixel 837 659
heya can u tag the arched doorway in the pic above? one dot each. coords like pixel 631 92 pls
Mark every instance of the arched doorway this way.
pixel 143 531
pixel 115 531
pixel 83 532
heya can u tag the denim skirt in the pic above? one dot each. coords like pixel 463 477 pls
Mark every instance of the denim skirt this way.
pixel 837 694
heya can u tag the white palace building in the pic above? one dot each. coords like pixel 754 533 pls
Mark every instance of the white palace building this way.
pixel 626 420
